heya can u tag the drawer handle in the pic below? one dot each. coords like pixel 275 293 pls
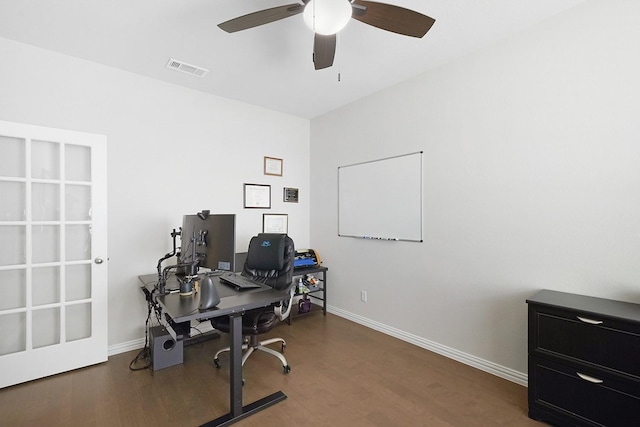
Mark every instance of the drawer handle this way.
pixel 590 379
pixel 589 321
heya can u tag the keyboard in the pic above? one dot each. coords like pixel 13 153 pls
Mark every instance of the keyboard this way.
pixel 238 282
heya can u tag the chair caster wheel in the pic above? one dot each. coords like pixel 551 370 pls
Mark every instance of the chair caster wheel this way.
pixel 287 369
pixel 216 362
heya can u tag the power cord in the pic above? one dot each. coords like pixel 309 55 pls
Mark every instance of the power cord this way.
pixel 145 353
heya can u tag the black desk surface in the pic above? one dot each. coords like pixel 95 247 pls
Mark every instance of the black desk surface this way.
pixel 185 308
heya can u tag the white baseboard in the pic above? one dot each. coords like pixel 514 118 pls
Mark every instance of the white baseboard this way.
pixel 125 346
pixel 468 359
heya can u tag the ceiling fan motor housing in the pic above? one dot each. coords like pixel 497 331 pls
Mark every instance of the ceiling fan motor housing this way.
pixel 327 16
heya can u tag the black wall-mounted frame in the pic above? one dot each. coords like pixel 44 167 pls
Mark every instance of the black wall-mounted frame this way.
pixel 257 196
pixel 290 195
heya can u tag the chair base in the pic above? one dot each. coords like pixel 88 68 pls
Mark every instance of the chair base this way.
pixel 252 344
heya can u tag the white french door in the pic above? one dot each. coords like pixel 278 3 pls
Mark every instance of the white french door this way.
pixel 53 251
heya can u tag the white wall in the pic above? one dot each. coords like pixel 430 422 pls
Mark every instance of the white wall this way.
pixel 532 181
pixel 171 151
pixel 531 177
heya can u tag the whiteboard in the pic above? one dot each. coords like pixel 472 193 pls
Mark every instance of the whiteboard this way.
pixel 381 199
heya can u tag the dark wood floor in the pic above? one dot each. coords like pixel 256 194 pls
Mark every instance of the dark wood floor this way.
pixel 343 374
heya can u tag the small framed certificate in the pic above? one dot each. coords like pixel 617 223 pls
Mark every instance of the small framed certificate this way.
pixel 257 196
pixel 275 223
pixel 272 166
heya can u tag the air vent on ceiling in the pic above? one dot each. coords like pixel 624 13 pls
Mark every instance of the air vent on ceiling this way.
pixel 186 68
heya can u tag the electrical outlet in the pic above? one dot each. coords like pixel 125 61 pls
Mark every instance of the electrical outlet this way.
pixel 363 296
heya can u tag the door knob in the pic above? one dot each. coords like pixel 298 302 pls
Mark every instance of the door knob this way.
pixel 98 260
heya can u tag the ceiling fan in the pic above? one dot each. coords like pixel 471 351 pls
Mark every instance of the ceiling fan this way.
pixel 327 17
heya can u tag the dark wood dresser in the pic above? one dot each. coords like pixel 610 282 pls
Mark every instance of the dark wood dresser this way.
pixel 584 360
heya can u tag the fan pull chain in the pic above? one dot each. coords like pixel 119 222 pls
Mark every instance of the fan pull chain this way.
pixel 338 40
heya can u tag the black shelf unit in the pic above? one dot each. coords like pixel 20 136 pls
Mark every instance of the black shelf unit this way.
pixel 317 293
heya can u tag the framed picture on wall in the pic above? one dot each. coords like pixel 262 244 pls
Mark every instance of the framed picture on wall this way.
pixel 272 166
pixel 275 223
pixel 257 196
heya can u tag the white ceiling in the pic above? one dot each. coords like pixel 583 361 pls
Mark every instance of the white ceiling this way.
pixel 271 65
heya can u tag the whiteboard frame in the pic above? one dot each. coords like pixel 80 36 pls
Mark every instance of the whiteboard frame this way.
pixel 421 214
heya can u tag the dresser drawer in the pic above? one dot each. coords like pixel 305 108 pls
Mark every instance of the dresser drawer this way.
pixel 581 395
pixel 585 337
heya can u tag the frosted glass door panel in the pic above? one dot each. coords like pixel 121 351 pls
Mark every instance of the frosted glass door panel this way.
pixel 13 250
pixel 78 280
pixel 13 289
pixel 78 321
pixel 78 242
pixel 45 160
pixel 14 334
pixel 46 327
pixel 78 202
pixel 78 163
pixel 45 202
pixel 12 161
pixel 46 243
pixel 13 206
pixel 46 285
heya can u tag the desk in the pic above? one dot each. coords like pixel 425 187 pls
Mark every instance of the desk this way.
pixel 232 304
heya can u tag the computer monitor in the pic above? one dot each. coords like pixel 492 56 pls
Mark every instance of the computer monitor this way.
pixel 214 239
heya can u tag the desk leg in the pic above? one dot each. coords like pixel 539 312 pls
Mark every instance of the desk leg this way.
pixel 236 410
pixel 235 374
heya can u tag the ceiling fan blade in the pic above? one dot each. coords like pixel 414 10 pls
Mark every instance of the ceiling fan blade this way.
pixel 392 18
pixel 324 50
pixel 261 17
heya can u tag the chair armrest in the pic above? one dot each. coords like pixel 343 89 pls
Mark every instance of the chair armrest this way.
pixel 282 311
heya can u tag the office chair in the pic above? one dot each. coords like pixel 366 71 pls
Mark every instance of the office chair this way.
pixel 269 261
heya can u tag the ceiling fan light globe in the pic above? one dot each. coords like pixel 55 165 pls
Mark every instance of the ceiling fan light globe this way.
pixel 327 16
